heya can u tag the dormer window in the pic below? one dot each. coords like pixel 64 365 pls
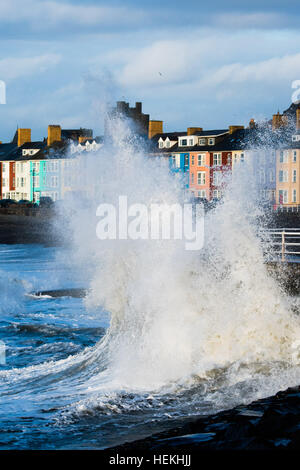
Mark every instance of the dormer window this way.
pixel 23 152
pixel 202 141
pixel 168 143
pixel 160 144
pixel 191 141
pixel 183 142
pixel 211 141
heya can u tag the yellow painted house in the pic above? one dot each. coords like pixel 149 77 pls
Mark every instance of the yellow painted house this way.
pixel 288 176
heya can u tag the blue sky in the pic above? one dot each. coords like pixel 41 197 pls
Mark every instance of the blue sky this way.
pixel 191 63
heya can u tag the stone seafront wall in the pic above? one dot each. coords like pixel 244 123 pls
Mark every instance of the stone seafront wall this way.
pixel 27 225
pixel 20 224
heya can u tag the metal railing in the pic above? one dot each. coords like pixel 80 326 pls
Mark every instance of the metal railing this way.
pixel 284 242
pixel 286 208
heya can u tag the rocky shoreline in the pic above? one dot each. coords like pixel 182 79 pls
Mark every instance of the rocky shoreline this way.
pixel 269 424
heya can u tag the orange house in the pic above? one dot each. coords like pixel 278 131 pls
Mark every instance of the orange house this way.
pixel 209 172
pixel 200 174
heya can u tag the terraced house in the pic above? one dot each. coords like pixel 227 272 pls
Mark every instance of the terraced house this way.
pixel 204 158
pixel 31 170
pixel 288 174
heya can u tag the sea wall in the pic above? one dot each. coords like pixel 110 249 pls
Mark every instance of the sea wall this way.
pixel 26 225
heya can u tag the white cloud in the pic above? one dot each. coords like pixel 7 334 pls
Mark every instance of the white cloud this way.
pixel 207 62
pixel 161 63
pixel 253 20
pixel 17 67
pixel 267 71
pixel 43 15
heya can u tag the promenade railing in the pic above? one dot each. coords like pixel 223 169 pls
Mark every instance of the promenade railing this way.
pixel 283 243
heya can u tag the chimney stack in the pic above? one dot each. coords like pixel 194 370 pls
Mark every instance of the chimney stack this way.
pixel 279 120
pixel 192 130
pixel 298 119
pixel 232 129
pixel 155 127
pixel 24 136
pixel 252 124
pixel 54 134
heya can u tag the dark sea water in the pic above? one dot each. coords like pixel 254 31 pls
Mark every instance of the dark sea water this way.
pixel 34 409
pixel 57 388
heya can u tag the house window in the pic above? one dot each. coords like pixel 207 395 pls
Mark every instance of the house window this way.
pixel 294 195
pixel 192 178
pixel 217 159
pixel 168 144
pixel 3 167
pixel 36 181
pixel 202 194
pixel 202 141
pixel 283 196
pixel 294 176
pixel 229 159
pixel 217 175
pixel 217 194
pixel 242 158
pixel 186 160
pixel 283 156
pixel 295 156
pixel 283 176
pixel 183 142
pixel 211 141
pixel 191 142
pixel 54 181
pixel 160 144
pixel 272 176
pixel 262 176
pixel 201 159
pixel 201 178
pixel 192 159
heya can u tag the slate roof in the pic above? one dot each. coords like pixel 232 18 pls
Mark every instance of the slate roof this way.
pixel 6 150
pixel 73 134
pixel 34 145
pixel 210 133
